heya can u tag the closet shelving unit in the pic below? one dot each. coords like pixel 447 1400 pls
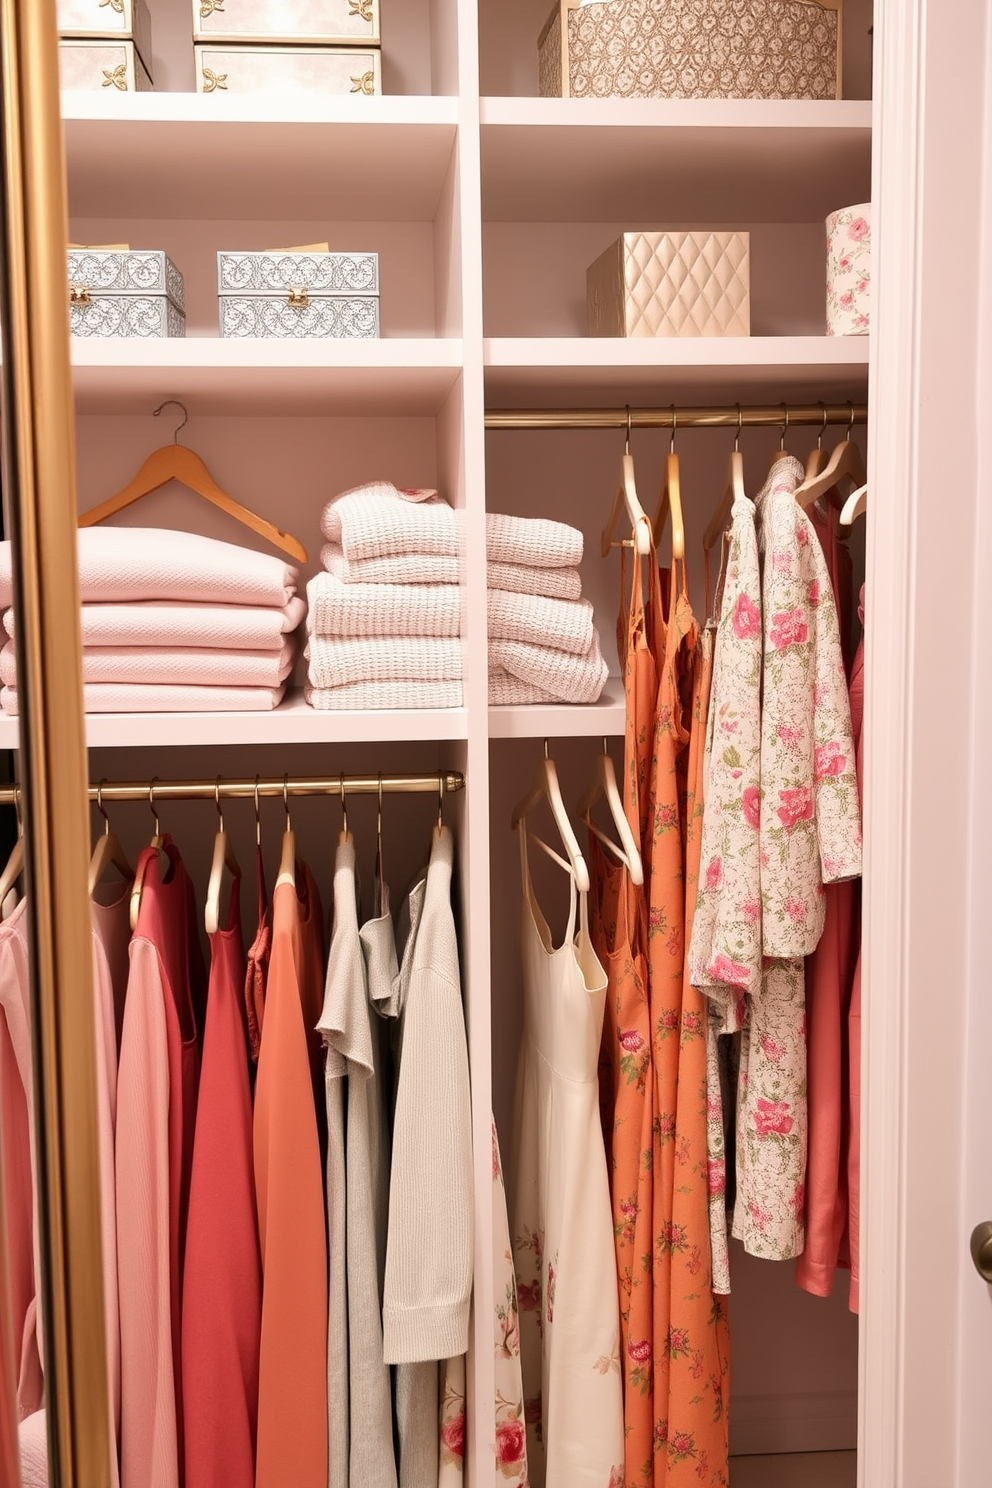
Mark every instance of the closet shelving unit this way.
pixel 486 205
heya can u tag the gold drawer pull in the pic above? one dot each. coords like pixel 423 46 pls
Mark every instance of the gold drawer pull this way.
pixel 79 294
pixel 298 297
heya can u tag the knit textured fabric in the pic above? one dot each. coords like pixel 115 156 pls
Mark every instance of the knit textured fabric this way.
pixel 217 626
pixel 425 568
pixel 337 663
pixel 555 623
pixel 124 697
pixel 119 564
pixel 518 578
pixel 374 696
pixel 340 609
pixel 182 668
pixel 567 678
pixel 506 691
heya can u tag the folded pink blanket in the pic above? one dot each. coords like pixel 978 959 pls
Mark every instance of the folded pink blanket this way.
pixel 104 697
pixel 336 662
pixel 373 696
pixel 340 609
pixel 128 563
pixel 564 677
pixel 170 623
pixel 183 668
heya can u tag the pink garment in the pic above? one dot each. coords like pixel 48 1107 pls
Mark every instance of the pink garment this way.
pixel 222 1280
pixel 829 972
pixel 156 1103
pixel 120 564
pixel 124 697
pixel 157 665
pixel 854 1017
pixel 221 627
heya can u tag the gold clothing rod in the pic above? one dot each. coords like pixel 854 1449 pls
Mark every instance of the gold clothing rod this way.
pixel 726 416
pixel 157 791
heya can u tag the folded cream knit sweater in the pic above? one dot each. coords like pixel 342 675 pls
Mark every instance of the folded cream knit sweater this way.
pixel 565 678
pixel 426 568
pixel 335 662
pixel 372 696
pixel 340 609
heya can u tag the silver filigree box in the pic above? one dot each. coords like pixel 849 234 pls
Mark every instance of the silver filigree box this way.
pixel 133 292
pixel 305 295
pixel 344 22
pixel 109 21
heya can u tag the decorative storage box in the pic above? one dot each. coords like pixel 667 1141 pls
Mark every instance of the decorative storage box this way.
pixel 90 66
pixel 108 20
pixel 346 22
pixel 849 271
pixel 691 49
pixel 287 69
pixel 671 284
pixel 299 294
pixel 125 292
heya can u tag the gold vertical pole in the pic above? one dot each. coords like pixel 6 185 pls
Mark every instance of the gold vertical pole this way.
pixel 39 471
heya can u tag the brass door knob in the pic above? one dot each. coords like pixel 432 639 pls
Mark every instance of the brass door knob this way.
pixel 981 1250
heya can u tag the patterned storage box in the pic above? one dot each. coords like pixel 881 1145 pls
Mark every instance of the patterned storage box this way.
pixel 691 49
pixel 671 284
pixel 130 292
pixel 92 66
pixel 346 22
pixel 299 295
pixel 109 20
pixel 849 271
pixel 322 71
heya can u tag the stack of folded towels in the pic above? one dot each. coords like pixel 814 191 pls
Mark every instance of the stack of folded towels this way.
pixel 173 622
pixel 384 619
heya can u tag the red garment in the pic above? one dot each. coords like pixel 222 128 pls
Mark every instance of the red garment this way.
pixel 156 1116
pixel 258 965
pixel 289 1184
pixel 854 1016
pixel 222 1281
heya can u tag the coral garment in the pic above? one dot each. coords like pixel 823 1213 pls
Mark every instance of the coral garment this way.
pixel 156 1114
pixel 257 969
pixel 289 1187
pixel 626 1084
pixel 222 1280
pixel 560 1213
pixel 854 1017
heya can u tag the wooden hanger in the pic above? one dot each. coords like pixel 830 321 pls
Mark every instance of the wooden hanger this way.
pixel 626 499
pixel 108 852
pixel 855 506
pixel 734 490
pixel 158 843
pixel 846 463
pixel 15 863
pixel 604 784
pixel 223 857
pixel 547 788
pixel 176 461
pixel 782 453
pixel 817 457
pixel 670 501
pixel 287 856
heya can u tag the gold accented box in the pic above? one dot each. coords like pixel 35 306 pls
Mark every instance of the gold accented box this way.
pixel 299 295
pixel 691 49
pixel 98 66
pixel 132 292
pixel 314 71
pixel 108 20
pixel 315 22
pixel 671 284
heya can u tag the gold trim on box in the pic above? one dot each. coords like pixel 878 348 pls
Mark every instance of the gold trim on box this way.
pixel 117 5
pixel 208 7
pixel 116 79
pixel 365 84
pixel 214 80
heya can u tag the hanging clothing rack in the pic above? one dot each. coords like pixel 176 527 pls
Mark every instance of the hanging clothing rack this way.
pixel 726 416
pixel 156 791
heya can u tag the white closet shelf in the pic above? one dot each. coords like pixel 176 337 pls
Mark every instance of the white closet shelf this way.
pixel 688 161
pixel 542 370
pixel 413 376
pixel 562 720
pixel 293 722
pixel 185 155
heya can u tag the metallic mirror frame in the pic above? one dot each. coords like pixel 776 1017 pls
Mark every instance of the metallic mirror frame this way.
pixel 39 481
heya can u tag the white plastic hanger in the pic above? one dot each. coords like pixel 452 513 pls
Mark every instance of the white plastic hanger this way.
pixel 604 784
pixel 108 852
pixel 158 843
pixel 626 499
pixel 223 857
pixel 855 506
pixel 15 863
pixel 287 856
pixel 733 491
pixel 670 501
pixel 547 788
pixel 846 463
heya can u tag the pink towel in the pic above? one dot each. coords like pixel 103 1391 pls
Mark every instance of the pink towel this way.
pixel 215 626
pixel 110 697
pixel 191 668
pixel 127 563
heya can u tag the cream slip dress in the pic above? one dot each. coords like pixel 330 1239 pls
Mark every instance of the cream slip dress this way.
pixel 561 1220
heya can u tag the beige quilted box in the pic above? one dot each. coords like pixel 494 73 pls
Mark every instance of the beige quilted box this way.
pixel 691 49
pixel 671 284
